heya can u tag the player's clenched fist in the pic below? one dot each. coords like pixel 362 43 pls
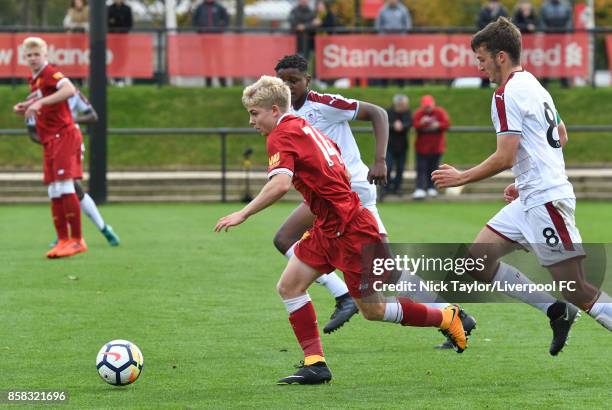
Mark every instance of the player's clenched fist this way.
pixel 510 193
pixel 446 176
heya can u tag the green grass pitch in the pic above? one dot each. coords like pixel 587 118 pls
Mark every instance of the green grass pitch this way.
pixel 203 309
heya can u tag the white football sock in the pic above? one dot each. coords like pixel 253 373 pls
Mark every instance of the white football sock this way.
pixel 393 312
pixel 420 295
pixel 601 310
pixel 509 274
pixel 331 281
pixel 294 304
pixel 91 210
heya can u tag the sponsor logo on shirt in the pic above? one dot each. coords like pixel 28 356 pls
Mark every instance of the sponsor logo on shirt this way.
pixel 274 160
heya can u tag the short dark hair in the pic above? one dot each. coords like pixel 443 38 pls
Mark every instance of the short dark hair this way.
pixel 292 61
pixel 500 35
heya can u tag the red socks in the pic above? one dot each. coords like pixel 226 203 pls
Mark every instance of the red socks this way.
pixel 304 323
pixel 72 209
pixel 417 314
pixel 59 218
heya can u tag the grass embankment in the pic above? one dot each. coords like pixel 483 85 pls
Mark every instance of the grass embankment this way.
pixel 152 107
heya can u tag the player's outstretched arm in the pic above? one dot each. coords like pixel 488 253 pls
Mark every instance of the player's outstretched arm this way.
pixel 502 159
pixel 65 91
pixel 274 190
pixel 380 122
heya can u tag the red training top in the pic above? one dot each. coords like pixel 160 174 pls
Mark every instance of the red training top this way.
pixel 313 161
pixel 54 117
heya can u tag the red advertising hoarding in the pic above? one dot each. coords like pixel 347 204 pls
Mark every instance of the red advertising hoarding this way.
pixel 441 56
pixel 127 55
pixel 226 55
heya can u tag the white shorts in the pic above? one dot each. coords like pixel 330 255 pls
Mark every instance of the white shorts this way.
pixel 549 230
pixel 367 195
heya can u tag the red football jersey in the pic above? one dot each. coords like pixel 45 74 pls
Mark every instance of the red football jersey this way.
pixel 298 149
pixel 54 117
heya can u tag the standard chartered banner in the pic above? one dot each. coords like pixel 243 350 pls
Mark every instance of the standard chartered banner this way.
pixel 441 55
pixel 462 273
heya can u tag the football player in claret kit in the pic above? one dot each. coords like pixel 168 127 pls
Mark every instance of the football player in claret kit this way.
pixel 300 154
pixel 330 114
pixel 540 213
pixel 62 141
pixel 83 113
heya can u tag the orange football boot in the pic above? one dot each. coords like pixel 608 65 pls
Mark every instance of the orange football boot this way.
pixel 60 244
pixel 73 247
pixel 452 327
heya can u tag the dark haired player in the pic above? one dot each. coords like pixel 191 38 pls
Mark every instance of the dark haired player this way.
pixel 331 115
pixel 540 213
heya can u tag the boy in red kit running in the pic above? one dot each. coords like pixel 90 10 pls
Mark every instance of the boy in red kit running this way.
pixel 62 141
pixel 301 155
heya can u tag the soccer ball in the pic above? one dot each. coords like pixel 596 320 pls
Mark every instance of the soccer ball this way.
pixel 119 362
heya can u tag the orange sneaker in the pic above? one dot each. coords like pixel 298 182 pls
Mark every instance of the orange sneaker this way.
pixel 73 247
pixel 60 244
pixel 452 327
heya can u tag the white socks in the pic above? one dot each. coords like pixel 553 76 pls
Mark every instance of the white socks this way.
pixel 91 210
pixel 331 281
pixel 509 274
pixel 393 312
pixel 601 310
pixel 295 303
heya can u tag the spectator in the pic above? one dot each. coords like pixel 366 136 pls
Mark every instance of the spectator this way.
pixel 400 122
pixel 326 18
pixel 210 16
pixel 394 17
pixel 430 123
pixel 525 17
pixel 77 17
pixel 303 21
pixel 490 12
pixel 119 17
pixel 556 15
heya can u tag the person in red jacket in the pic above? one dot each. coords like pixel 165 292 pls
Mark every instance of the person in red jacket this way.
pixel 430 123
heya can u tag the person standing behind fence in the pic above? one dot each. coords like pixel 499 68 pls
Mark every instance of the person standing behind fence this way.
pixel 119 17
pixel 303 22
pixel 400 122
pixel 525 17
pixel 556 16
pixel 430 124
pixel 211 17
pixel 77 17
pixel 393 17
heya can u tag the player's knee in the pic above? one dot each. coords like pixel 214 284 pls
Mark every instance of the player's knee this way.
pixel 283 290
pixel 282 242
pixel 372 311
